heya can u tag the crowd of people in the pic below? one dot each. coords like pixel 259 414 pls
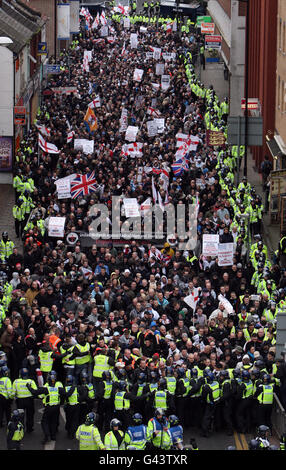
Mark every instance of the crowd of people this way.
pixel 104 330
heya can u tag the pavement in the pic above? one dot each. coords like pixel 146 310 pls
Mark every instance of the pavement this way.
pixel 7 200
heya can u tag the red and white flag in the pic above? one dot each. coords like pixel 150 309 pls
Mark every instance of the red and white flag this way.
pixel 153 112
pixel 169 27
pixel 47 146
pixel 44 130
pixel 154 191
pixel 103 19
pixel 124 50
pixel 96 103
pixel 70 136
pixel 96 22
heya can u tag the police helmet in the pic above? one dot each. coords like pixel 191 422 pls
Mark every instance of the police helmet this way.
pixel 17 414
pixel 173 420
pixel 137 418
pixel 5 371
pixel 159 412
pixel 122 385
pixel 106 375
pixel 245 375
pixel 24 373
pixel 90 418
pixel 253 444
pixel 52 377
pixel 266 378
pixel 83 377
pixel 70 380
pixel 263 430
pixel 194 373
pixel 141 377
pixel 162 383
pixel 181 372
pixel 115 423
pixel 5 234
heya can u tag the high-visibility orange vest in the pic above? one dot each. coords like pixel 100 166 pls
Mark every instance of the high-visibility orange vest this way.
pixel 54 340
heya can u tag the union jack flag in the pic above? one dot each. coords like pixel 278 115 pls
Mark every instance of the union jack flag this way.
pixel 82 185
pixel 180 166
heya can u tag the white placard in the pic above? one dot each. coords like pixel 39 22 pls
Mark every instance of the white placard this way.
pixel 138 74
pixel 104 31
pixel 87 55
pixel 210 244
pixel 131 133
pixel 123 120
pixel 160 123
pixel 126 22
pixel 63 188
pixel 133 40
pixel 225 254
pixel 167 56
pixel 88 146
pixel 152 128
pixel 165 82
pixel 160 69
pixel 149 55
pixel 131 207
pixel 56 227
pixel 156 53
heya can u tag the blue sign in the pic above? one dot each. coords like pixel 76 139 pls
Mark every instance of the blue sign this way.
pixel 52 69
pixel 42 48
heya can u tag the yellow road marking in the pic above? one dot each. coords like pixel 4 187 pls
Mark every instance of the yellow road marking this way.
pixel 237 441
pixel 244 443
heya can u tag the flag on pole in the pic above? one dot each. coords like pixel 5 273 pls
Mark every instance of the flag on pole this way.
pixel 153 112
pixel 44 130
pixel 82 185
pixel 90 121
pixel 154 191
pixel 124 50
pixel 96 22
pixel 47 146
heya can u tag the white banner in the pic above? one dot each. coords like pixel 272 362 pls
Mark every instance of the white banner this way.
pixel 104 31
pixel 133 40
pixel 156 53
pixel 56 227
pixel 123 120
pixel 160 123
pixel 210 244
pixel 131 207
pixel 74 16
pixel 63 21
pixel 225 254
pixel 126 22
pixel 84 145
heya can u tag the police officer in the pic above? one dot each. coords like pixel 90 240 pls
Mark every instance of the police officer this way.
pixel 162 398
pixel 114 439
pixel 6 246
pixel 87 393
pixel 15 430
pixel 6 395
pixel 52 393
pixel 102 362
pixel 265 397
pixel 211 397
pixel 104 393
pixel 176 430
pixel 72 406
pixel 24 398
pixel 226 402
pixel 181 394
pixel 81 354
pixel 263 433
pixel 245 397
pixel 137 435
pixel 138 390
pixel 122 400
pixel 158 427
pixel 88 434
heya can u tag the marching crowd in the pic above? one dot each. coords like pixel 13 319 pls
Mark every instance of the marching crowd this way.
pixel 104 331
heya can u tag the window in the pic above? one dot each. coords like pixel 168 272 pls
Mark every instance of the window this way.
pixel 280 34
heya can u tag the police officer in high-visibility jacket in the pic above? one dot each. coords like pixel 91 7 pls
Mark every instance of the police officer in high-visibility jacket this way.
pixel 211 397
pixel 162 398
pixel 122 400
pixel 82 356
pixel 102 362
pixel 24 398
pixel 158 427
pixel 114 439
pixel 52 393
pixel 15 430
pixel 137 435
pixel 72 406
pixel 88 434
pixel 104 392
pixel 6 395
pixel 245 398
pixel 6 246
pixel 176 431
pixel 265 396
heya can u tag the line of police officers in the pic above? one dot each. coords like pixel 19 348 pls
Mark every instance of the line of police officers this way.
pixel 240 399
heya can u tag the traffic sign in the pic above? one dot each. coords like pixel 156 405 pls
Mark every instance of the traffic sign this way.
pixel 20 115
